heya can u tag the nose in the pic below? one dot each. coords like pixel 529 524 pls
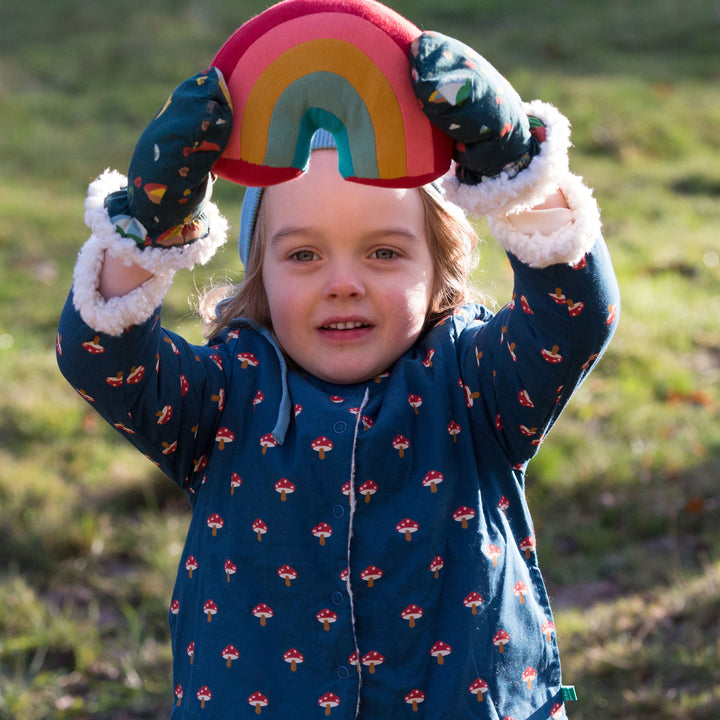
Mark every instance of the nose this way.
pixel 344 280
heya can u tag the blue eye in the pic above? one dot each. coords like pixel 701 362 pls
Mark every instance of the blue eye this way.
pixel 385 254
pixel 303 256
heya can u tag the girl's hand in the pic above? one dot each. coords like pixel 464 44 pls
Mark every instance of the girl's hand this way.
pixel 169 176
pixel 468 99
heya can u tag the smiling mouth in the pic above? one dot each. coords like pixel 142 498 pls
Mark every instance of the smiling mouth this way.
pixel 345 326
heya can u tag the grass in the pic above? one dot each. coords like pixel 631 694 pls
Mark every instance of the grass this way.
pixel 625 491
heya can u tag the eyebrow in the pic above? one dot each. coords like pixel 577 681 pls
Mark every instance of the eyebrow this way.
pixel 290 230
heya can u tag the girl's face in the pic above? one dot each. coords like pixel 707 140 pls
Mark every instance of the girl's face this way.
pixel 347 271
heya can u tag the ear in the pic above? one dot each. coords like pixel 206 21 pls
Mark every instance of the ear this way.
pixel 340 65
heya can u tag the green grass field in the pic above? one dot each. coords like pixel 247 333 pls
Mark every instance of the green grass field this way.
pixel 625 492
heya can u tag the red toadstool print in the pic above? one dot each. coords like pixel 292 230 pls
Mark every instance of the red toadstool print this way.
pixel 556 711
pixel 414 698
pixel 368 489
pixel 219 399
pixel 528 676
pixel 229 654
pixel 259 397
pixel 372 659
pixel 93 346
pixel 528 546
pixel 191 651
pixel 524 399
pixel 553 355
pixel 247 359
pixel 504 504
pixel 284 487
pixel 294 657
pixel 258 700
pixel 427 362
pixel 401 444
pixel 322 445
pixel 263 612
pixel 184 386
pixel 547 629
pixel 354 660
pixel 412 613
pixel 215 522
pixel 224 436
pixel 287 573
pixel 462 515
pixel 439 650
pixel 367 422
pixel 407 527
pixel 268 441
pixel 575 308
pixel 473 601
pixel 479 687
pixel 520 590
pixel 370 574
pixel 415 401
pixel 558 296
pixel 454 429
pixel 329 701
pixel 210 609
pixel 326 617
pixel 179 694
pixel 525 305
pixel 204 695
pixel 259 528
pixel 175 607
pixel 432 480
pixel 500 640
pixel 436 566
pixel 493 552
pixel 191 564
pixel 235 482
pixel 135 375
pixel 164 415
pixel 322 531
pixel 230 569
pixel 117 381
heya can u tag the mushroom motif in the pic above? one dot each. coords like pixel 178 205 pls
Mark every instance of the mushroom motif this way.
pixel 528 546
pixel 230 653
pixel 575 308
pixel 558 296
pixel 164 415
pixel 401 443
pixel 511 349
pixel 190 650
pixel 368 488
pixel 432 480
pixel 184 386
pixel 117 381
pixel 439 650
pixel 286 572
pixel 204 695
pixel 258 700
pixel 520 590
pixel 415 401
pixel 547 629
pixel 235 482
pixel 247 359
pixel 215 522
pixel 463 514
pixel 230 569
pixel 436 566
pixel 219 399
pixel 556 711
pixel 526 305
pixel 259 528
pixel 217 360
pixel 500 640
pixel 175 607
pixel 268 441
pixel 191 564
pixel 294 657
pixel 337 399
pixel 454 430
pixel 284 487
pixel 473 600
pixel 612 314
pixel 504 504
pixel 326 617
pixel 93 346
pixel 367 422
pixel 354 660
pixel 412 613
pixel 372 659
pixel 479 687
pixel 408 527
pixel 427 362
pixel 553 355
pixel 263 612
pixel 524 399
pixel 259 397
pixel 329 701
pixel 322 445
pixel 370 574
pixel 179 694
pixel 297 409
pixel 210 609
pixel 135 375
pixel 493 552
pixel 528 676
pixel 322 531
pixel 414 698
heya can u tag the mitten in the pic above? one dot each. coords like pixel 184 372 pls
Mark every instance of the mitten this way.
pixel 169 174
pixel 513 153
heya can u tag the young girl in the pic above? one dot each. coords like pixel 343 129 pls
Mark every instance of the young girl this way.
pixel 354 437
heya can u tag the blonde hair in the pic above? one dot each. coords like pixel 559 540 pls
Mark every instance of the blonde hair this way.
pixel 451 239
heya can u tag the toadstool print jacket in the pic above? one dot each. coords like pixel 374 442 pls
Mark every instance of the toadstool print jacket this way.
pixel 376 559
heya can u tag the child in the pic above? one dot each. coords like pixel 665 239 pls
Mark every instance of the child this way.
pixel 354 437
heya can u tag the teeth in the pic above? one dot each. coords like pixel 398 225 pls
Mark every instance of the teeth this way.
pixel 345 326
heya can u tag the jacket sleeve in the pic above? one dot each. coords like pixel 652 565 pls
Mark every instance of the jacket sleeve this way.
pixel 525 363
pixel 160 392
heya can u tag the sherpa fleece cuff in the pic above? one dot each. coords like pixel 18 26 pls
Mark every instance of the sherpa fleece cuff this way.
pixel 502 194
pixel 567 243
pixel 114 315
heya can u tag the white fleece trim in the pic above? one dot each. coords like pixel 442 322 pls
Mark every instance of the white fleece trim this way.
pixel 113 316
pixel 502 194
pixel 568 244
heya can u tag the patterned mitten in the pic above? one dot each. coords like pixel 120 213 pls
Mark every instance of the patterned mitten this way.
pixel 169 174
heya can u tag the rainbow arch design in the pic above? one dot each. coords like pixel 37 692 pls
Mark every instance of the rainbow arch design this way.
pixel 341 65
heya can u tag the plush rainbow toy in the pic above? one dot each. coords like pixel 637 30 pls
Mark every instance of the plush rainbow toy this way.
pixel 341 65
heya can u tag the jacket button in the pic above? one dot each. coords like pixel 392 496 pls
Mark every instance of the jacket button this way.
pixel 343 672
pixel 340 426
pixel 337 598
pixel 338 511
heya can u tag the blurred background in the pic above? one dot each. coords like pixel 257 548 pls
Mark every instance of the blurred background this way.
pixel 625 492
